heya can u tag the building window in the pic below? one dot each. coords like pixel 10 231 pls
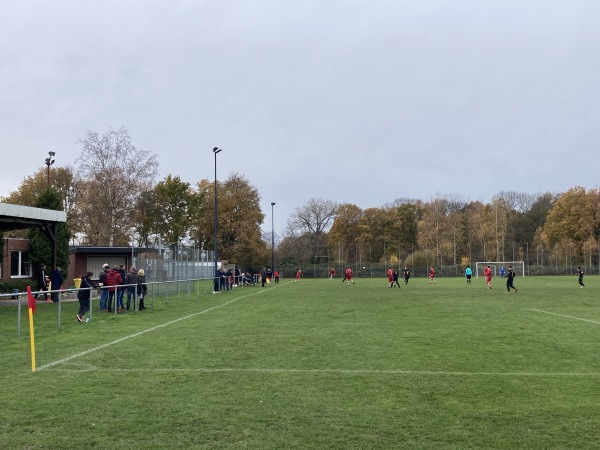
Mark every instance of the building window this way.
pixel 20 265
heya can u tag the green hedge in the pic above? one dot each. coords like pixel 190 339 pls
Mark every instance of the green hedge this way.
pixel 6 287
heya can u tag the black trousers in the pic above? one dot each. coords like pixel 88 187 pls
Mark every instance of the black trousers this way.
pixel 84 306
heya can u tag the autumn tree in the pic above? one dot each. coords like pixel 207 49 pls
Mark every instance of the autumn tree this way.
pixel 145 215
pixel 240 218
pixel 372 234
pixel 175 206
pixel 113 173
pixel 294 249
pixel 478 230
pixel 574 218
pixel 41 247
pixel 454 231
pixel 432 225
pixel 345 231
pixel 62 180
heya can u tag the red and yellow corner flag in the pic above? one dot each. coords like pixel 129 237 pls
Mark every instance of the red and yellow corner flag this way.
pixel 31 309
pixel 30 301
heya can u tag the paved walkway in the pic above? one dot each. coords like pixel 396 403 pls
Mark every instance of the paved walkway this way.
pixel 7 301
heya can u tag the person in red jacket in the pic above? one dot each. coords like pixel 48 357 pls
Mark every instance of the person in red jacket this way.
pixel 113 278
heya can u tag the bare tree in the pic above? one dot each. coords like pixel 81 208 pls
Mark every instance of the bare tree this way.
pixel 115 173
pixel 313 219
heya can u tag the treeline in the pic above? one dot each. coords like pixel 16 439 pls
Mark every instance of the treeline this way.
pixel 543 229
pixel 112 198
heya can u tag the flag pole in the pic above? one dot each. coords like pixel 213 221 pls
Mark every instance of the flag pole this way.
pixel 31 309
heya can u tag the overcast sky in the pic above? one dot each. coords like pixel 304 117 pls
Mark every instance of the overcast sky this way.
pixel 351 101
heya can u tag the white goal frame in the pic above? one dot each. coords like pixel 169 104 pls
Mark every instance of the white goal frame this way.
pixel 495 265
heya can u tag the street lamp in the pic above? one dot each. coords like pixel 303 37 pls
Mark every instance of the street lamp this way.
pixel 49 162
pixel 216 150
pixel 272 238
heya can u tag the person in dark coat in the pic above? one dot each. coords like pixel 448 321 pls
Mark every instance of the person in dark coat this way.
pixel 42 284
pixel 85 289
pixel 56 280
pixel 142 288
pixel 102 282
pixel 121 290
pixel 132 279
pixel 263 276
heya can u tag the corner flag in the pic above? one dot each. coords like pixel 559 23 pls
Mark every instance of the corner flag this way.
pixel 31 309
pixel 30 301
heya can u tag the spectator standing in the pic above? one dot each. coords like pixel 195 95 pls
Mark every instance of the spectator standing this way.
pixel 56 281
pixel 142 288
pixel 102 282
pixel 121 290
pixel 83 295
pixel 276 275
pixel 229 279
pixel 42 284
pixel 222 278
pixel 131 279
pixel 263 276
pixel 238 276
pixel 113 279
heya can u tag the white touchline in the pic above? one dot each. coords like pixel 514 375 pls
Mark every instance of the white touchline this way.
pixel 124 338
pixel 565 316
pixel 350 372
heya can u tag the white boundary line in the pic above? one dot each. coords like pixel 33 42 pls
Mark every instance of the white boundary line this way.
pixel 565 316
pixel 344 372
pixel 124 338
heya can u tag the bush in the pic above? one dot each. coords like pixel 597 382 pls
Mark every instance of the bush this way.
pixel 6 287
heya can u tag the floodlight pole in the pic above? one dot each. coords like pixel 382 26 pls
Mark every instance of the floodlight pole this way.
pixel 49 162
pixel 216 151
pixel 272 238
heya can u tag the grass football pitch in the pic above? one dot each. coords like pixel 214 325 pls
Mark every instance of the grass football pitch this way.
pixel 314 365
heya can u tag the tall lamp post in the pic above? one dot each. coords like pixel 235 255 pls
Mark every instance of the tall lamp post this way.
pixel 216 151
pixel 49 162
pixel 272 238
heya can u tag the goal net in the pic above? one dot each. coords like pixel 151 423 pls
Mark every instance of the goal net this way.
pixel 498 266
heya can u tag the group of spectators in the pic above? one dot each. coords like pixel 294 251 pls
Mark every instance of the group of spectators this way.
pixel 266 275
pixel 114 283
pixel 226 280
